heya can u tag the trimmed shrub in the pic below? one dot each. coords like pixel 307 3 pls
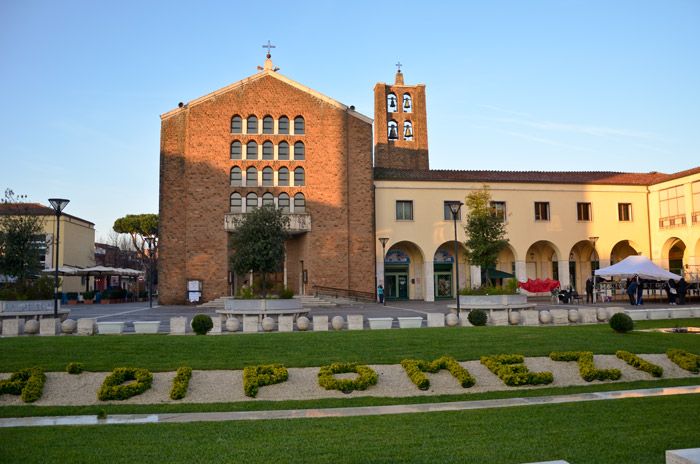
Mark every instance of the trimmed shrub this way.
pixel 477 317
pixel 28 383
pixel 113 387
pixel 286 293
pixel 684 359
pixel 639 363
pixel 586 367
pixel 255 377
pixel 510 368
pixel 326 377
pixel 75 368
pixel 415 369
pixel 181 383
pixel 621 323
pixel 201 324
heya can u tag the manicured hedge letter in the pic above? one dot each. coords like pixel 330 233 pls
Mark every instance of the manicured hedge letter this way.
pixel 114 387
pixel 586 367
pixel 639 363
pixel 29 383
pixel 684 359
pixel 511 369
pixel 326 377
pixel 255 377
pixel 181 383
pixel 415 367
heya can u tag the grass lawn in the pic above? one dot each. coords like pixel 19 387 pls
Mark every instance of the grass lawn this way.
pixel 635 430
pixel 167 353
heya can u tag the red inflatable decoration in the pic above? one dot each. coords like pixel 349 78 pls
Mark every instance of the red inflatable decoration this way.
pixel 539 285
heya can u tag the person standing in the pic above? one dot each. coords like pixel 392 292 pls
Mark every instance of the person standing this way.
pixel 380 294
pixel 671 291
pixel 682 288
pixel 589 290
pixel 640 291
pixel 632 291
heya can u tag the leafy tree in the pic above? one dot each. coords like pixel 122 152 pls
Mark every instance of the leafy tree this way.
pixel 19 244
pixel 139 227
pixel 258 242
pixel 486 233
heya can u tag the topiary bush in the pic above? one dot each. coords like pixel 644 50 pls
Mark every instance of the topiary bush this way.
pixel 684 359
pixel 201 324
pixel 415 369
pixel 28 383
pixel 113 387
pixel 477 317
pixel 639 363
pixel 181 383
pixel 75 368
pixel 255 377
pixel 326 377
pixel 586 367
pixel 286 293
pixel 510 368
pixel 621 323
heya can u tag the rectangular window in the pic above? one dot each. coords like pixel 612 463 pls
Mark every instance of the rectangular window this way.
pixel 498 209
pixel 671 207
pixel 624 212
pixel 583 211
pixel 404 210
pixel 541 211
pixel 447 212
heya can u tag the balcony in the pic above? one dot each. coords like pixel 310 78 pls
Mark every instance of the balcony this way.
pixel 299 223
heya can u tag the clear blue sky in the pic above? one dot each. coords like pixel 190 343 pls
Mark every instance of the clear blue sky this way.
pixel 511 85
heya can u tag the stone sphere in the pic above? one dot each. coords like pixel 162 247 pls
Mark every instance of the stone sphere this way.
pixel 268 324
pixel 233 324
pixel 545 317
pixel 337 322
pixel 303 323
pixel 451 320
pixel 602 314
pixel 514 318
pixel 68 326
pixel 31 327
pixel 573 315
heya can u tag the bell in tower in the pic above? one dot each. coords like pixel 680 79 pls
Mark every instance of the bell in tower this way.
pixel 393 132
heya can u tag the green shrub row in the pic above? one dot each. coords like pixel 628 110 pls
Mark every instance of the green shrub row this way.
pixel 255 377
pixel 510 368
pixel 415 369
pixel 639 363
pixel 28 383
pixel 181 383
pixel 684 359
pixel 113 387
pixel 586 367
pixel 75 368
pixel 326 377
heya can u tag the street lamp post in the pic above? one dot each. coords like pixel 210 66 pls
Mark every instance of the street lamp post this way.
pixel 383 241
pixel 58 204
pixel 150 241
pixel 455 206
pixel 593 240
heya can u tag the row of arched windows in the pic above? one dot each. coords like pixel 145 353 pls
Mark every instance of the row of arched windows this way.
pixel 407 132
pixel 252 126
pixel 282 202
pixel 393 105
pixel 268 177
pixel 269 150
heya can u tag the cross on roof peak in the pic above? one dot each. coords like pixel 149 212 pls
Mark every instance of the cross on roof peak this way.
pixel 398 66
pixel 269 47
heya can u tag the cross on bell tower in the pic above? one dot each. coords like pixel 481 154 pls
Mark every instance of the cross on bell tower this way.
pixel 268 58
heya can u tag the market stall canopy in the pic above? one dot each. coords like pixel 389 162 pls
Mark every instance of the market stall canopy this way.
pixel 63 270
pixel 637 265
pixel 94 271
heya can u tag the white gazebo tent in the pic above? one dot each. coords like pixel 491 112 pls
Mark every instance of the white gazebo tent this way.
pixel 637 265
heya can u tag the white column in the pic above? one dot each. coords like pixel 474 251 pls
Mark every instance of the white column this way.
pixel 564 277
pixel 475 273
pixel 380 272
pixel 521 271
pixel 429 281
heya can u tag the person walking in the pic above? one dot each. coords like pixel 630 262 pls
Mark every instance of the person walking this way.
pixel 632 290
pixel 640 291
pixel 380 294
pixel 682 288
pixel 671 291
pixel 589 290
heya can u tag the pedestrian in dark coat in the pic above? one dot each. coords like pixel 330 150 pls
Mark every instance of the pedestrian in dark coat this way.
pixel 670 288
pixel 640 291
pixel 682 287
pixel 589 290
pixel 632 291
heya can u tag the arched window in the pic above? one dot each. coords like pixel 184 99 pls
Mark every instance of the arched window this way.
pixel 393 130
pixel 252 127
pixel 236 125
pixel 236 177
pixel 268 151
pixel 407 130
pixel 283 151
pixel 268 177
pixel 236 150
pixel 299 151
pixel 251 177
pixel 283 177
pixel 299 177
pixel 283 202
pixel 268 125
pixel 251 202
pixel 283 125
pixel 407 103
pixel 236 203
pixel 298 125
pixel 251 151
pixel 299 203
pixel 392 104
pixel 268 199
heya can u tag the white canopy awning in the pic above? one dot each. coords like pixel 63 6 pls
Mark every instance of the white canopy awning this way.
pixel 94 271
pixel 637 265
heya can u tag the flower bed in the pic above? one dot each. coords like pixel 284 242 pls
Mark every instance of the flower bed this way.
pixel 326 377
pixel 255 377
pixel 510 368
pixel 586 367
pixel 113 387
pixel 639 363
pixel 415 369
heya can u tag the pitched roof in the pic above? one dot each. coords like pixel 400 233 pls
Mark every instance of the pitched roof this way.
pixel 276 75
pixel 540 177
pixel 32 209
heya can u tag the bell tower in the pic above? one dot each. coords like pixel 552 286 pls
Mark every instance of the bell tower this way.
pixel 400 125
